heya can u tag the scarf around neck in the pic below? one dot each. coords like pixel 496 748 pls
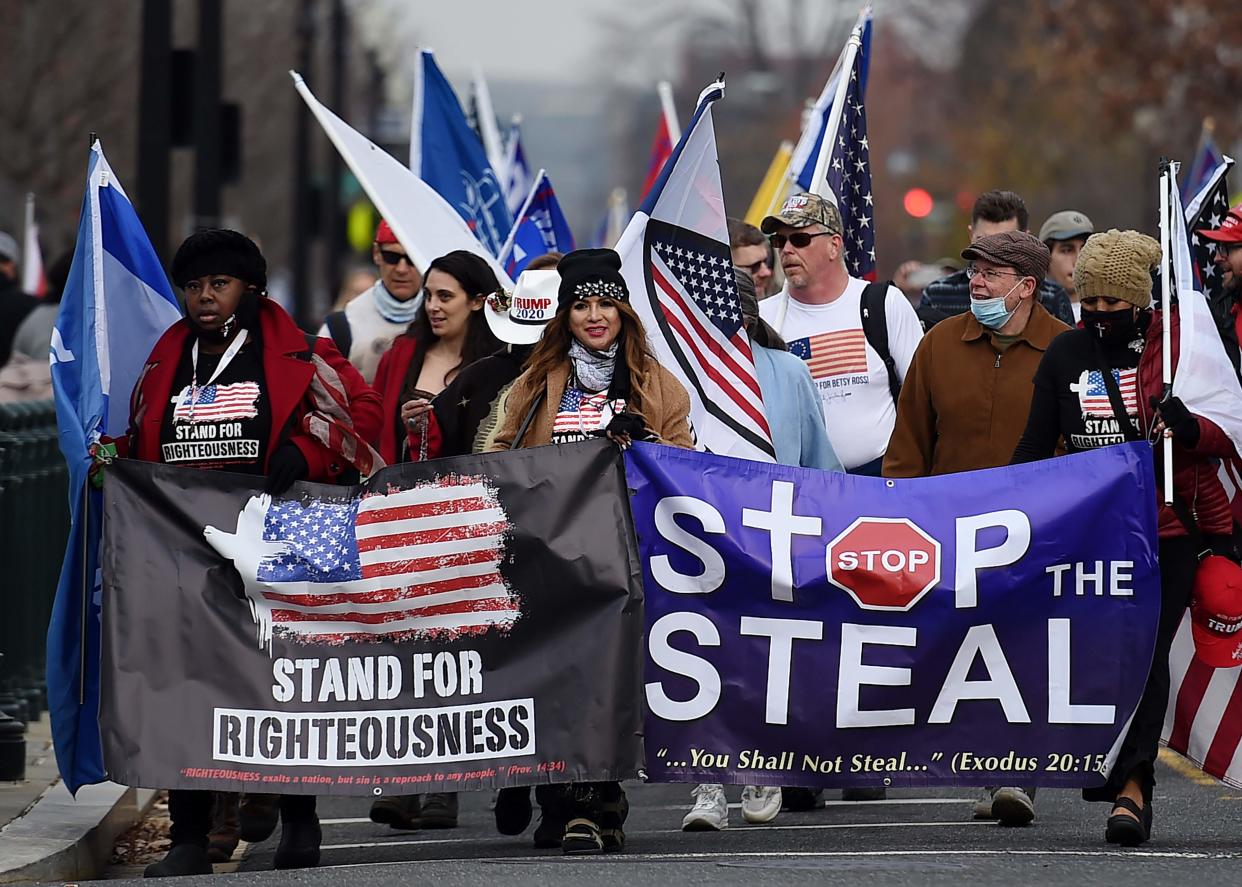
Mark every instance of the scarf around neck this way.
pixel 593 369
pixel 393 309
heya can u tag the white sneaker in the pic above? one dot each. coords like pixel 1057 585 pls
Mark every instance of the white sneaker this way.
pixel 710 812
pixel 761 803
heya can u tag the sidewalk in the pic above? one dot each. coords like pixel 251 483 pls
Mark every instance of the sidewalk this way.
pixel 46 835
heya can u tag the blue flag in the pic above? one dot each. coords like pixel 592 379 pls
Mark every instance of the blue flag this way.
pixel 116 304
pixel 806 152
pixel 1207 158
pixel 517 171
pixel 447 154
pixel 540 228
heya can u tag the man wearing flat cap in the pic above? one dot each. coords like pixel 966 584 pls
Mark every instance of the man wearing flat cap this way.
pixel 968 391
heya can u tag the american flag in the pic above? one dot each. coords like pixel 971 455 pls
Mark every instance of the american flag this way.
pixel 582 413
pixel 1093 393
pixel 1208 209
pixel 832 354
pixel 698 300
pixel 216 403
pixel 1204 719
pixel 849 177
pixel 425 559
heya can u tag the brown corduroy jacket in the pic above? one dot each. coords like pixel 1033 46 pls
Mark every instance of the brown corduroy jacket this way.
pixel 666 409
pixel 963 403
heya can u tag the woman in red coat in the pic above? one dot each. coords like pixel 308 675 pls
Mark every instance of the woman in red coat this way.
pixel 448 334
pixel 236 386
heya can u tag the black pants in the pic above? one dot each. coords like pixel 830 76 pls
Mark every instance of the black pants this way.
pixel 1137 758
pixel 601 802
pixel 190 812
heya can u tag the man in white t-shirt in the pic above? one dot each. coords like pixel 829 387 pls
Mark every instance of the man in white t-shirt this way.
pixel 364 330
pixel 819 314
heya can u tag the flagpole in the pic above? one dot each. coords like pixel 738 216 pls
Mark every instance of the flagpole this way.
pixel 416 117
pixel 819 181
pixel 1166 305
pixel 521 213
pixel 665 89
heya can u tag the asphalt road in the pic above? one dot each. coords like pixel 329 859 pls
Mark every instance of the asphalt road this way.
pixel 915 837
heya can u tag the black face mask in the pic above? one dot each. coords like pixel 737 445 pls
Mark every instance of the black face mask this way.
pixel 1117 327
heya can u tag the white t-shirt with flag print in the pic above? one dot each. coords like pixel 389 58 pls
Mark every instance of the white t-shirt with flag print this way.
pixel 859 412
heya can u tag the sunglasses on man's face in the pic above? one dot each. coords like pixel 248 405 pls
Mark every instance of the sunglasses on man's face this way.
pixel 753 268
pixel 799 239
pixel 392 257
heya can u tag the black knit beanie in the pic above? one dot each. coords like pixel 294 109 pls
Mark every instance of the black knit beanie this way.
pixel 590 272
pixel 219 251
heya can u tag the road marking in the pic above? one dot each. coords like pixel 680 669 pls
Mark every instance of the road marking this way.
pixel 1186 769
pixel 677 831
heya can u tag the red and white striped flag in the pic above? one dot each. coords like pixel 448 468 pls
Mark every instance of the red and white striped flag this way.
pixel 412 562
pixel 666 135
pixel 1204 718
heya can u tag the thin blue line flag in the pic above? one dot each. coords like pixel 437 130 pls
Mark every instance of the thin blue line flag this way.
pixel 116 304
pixel 447 154
pixel 540 228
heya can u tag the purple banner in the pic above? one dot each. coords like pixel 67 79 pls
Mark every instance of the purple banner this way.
pixel 808 628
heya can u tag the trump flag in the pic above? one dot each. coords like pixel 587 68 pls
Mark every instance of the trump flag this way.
pixel 540 228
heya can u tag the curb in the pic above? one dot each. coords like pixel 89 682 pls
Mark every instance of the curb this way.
pixel 63 839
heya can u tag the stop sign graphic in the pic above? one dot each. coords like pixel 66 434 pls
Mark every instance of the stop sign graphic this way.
pixel 884 563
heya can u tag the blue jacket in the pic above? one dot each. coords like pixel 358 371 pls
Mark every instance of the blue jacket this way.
pixel 795 413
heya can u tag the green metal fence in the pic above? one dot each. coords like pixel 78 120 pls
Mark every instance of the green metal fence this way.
pixel 34 526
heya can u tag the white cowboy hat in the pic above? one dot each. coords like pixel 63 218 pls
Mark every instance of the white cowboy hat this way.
pixel 519 319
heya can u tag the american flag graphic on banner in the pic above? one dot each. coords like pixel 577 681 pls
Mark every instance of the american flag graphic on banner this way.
pixel 697 297
pixel 849 177
pixel 401 564
pixel 1093 393
pixel 1204 719
pixel 840 353
pixel 1208 209
pixel 217 403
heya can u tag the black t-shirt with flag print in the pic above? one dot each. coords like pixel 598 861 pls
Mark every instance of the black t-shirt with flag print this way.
pixel 225 424
pixel 1071 401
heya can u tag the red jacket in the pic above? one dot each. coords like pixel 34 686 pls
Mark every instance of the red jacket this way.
pixel 1195 476
pixel 286 380
pixel 389 381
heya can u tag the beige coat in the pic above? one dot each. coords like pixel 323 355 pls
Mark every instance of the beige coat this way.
pixel 666 409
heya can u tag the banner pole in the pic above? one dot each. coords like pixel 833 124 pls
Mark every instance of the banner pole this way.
pixel 1166 305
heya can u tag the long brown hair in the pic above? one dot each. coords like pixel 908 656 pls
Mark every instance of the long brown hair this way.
pixel 552 352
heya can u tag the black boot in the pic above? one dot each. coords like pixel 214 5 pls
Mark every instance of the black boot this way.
pixel 401 812
pixel 299 843
pixel 513 810
pixel 257 816
pixel 180 861
pixel 554 813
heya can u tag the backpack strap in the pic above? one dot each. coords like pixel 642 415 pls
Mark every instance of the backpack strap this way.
pixel 875 328
pixel 342 335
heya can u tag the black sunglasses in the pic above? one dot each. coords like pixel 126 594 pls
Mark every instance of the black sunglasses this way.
pixel 394 258
pixel 753 268
pixel 800 239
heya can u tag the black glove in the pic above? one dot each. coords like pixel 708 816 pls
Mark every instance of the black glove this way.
pixel 286 466
pixel 1178 419
pixel 628 423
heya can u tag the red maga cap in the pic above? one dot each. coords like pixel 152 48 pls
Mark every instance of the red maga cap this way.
pixel 383 233
pixel 1230 230
pixel 1216 612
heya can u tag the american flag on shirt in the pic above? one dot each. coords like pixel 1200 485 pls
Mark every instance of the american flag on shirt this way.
pixel 217 403
pixel 839 353
pixel 582 413
pixel 1093 393
pixel 693 282
pixel 849 177
pixel 1204 719
pixel 425 559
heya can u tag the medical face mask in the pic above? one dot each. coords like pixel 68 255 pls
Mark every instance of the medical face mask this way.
pixel 992 313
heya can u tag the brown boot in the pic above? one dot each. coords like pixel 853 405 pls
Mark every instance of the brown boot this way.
pixel 223 837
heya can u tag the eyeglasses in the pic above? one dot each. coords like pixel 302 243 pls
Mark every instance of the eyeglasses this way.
pixel 799 239
pixel 392 257
pixel 753 268
pixel 990 275
pixel 1225 249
